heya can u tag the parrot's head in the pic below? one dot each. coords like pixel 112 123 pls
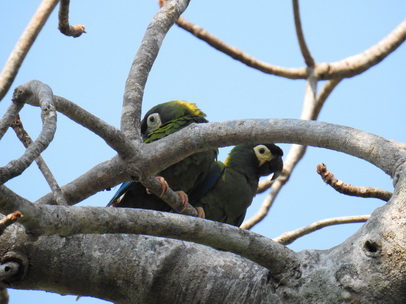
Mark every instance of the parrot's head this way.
pixel 168 112
pixel 256 160
pixel 269 158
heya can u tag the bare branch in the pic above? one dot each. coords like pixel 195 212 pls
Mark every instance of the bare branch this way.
pixel 359 63
pixel 9 116
pixel 348 189
pixel 291 236
pixel 8 220
pixel 66 29
pixel 24 44
pixel 44 93
pixel 64 221
pixel 142 64
pixel 18 128
pixel 300 36
pixel 237 54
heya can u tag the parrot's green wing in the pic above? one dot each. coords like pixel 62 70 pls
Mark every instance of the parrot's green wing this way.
pixel 228 200
pixel 163 120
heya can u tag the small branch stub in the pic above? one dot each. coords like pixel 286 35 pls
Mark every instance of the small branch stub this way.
pixel 66 29
pixel 348 189
pixel 8 220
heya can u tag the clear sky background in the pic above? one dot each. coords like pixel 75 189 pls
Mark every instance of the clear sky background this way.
pixel 91 71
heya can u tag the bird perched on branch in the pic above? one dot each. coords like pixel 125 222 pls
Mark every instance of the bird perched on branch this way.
pixel 160 121
pixel 230 187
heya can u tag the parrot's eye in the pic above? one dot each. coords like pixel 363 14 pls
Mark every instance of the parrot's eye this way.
pixel 153 122
pixel 263 154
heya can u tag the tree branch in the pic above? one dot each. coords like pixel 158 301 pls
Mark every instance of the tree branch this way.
pixel 300 36
pixel 16 167
pixel 357 64
pixel 142 64
pixel 65 221
pixel 64 27
pixel 239 55
pixel 18 128
pixel 9 117
pixel 24 44
pixel 348 189
pixel 291 236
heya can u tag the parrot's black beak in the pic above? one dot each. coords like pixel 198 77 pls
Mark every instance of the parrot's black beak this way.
pixel 277 167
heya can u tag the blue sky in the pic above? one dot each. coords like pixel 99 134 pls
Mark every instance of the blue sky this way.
pixel 91 71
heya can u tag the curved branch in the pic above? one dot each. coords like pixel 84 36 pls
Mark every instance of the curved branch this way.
pixel 66 29
pixel 24 44
pixel 359 63
pixel 142 64
pixel 348 189
pixel 300 36
pixel 44 93
pixel 17 125
pixel 291 236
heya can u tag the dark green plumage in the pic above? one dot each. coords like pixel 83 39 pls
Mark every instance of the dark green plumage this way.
pixel 160 121
pixel 228 200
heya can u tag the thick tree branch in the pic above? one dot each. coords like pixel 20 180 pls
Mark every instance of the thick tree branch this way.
pixel 18 127
pixel 142 64
pixel 300 36
pixel 66 29
pixel 64 221
pixel 24 44
pixel 348 189
pixel 291 236
pixel 16 167
pixel 159 155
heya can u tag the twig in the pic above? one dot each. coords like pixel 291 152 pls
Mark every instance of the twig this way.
pixel 300 36
pixel 9 116
pixel 44 93
pixel 8 220
pixel 66 29
pixel 357 64
pixel 142 64
pixel 348 189
pixel 24 44
pixel 291 236
pixel 18 128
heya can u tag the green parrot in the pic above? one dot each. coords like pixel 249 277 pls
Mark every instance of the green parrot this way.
pixel 230 187
pixel 160 121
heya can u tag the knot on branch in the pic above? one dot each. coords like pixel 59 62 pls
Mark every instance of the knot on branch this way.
pixel 13 267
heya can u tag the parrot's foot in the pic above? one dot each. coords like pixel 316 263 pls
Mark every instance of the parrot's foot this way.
pixel 200 212
pixel 184 198
pixel 164 184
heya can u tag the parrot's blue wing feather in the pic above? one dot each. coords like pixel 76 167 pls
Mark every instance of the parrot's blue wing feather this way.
pixel 208 182
pixel 122 190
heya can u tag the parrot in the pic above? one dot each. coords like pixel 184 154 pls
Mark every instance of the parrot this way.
pixel 160 121
pixel 230 187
